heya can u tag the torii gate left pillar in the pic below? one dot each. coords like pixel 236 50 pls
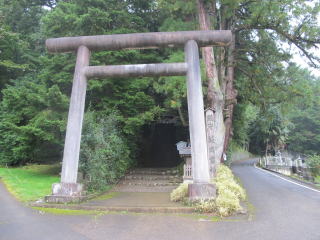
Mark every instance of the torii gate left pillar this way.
pixel 68 189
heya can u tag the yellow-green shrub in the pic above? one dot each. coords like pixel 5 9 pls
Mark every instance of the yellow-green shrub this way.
pixel 227 202
pixel 226 180
pixel 180 193
pixel 206 206
pixel 229 194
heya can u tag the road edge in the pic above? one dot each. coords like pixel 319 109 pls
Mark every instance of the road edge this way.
pixel 285 178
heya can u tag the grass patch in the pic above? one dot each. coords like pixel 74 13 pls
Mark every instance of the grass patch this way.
pixel 30 182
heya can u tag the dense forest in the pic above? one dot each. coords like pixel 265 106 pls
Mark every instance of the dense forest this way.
pixel 263 100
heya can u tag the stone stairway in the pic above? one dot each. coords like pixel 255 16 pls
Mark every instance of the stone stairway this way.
pixel 149 180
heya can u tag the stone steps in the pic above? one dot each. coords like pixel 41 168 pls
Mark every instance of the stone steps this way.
pixel 148 183
pixel 135 188
pixel 154 171
pixel 151 177
pixel 149 180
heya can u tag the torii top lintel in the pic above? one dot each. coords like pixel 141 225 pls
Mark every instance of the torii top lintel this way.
pixel 139 40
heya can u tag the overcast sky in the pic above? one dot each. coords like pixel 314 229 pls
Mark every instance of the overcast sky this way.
pixel 302 61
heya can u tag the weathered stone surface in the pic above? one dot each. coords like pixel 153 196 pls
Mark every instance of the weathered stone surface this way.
pixel 200 164
pixel 66 192
pixel 201 191
pixel 149 180
pixel 67 189
pixel 75 117
pixel 210 140
pixel 64 199
pixel 140 40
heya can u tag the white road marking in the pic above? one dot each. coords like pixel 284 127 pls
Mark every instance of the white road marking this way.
pixel 287 179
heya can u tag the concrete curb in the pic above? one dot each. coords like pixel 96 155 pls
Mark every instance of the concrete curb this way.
pixel 117 208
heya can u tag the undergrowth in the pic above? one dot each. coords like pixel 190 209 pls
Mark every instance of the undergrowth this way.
pixel 229 194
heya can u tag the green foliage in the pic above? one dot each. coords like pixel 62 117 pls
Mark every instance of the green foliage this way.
pixel 104 156
pixel 180 193
pixel 270 131
pixel 265 76
pixel 32 122
pixel 133 98
pixel 93 17
pixel 305 135
pixel 317 180
pixel 31 182
pixel 229 194
pixel 34 108
pixel 244 116
pixel 12 60
pixel 314 163
pixel 226 180
pixel 236 153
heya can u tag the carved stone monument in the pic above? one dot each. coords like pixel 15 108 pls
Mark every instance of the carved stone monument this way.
pixel 68 189
pixel 210 140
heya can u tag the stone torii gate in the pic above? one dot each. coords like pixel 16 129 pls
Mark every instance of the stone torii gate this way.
pixel 68 189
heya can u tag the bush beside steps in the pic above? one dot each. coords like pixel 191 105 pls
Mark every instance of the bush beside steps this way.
pixel 229 194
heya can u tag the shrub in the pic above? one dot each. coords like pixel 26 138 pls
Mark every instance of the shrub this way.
pixel 104 156
pixel 180 193
pixel 207 206
pixel 227 202
pixel 229 194
pixel 226 180
pixel 317 179
pixel 314 163
pixel 32 122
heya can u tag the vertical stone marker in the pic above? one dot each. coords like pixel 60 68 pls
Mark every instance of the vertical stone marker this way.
pixel 210 140
pixel 200 188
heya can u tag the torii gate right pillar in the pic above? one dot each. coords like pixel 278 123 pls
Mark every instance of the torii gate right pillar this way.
pixel 201 188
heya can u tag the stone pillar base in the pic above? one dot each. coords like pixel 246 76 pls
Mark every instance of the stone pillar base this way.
pixel 66 192
pixel 201 191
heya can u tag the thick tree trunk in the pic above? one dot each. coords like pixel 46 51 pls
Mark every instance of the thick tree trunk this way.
pixel 230 93
pixel 214 95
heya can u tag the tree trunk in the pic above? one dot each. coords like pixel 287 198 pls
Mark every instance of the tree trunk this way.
pixel 230 93
pixel 214 95
pixel 182 119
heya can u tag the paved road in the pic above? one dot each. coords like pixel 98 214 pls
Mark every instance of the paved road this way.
pixel 282 211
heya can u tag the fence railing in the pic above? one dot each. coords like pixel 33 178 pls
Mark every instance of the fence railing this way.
pixel 187 171
pixel 287 166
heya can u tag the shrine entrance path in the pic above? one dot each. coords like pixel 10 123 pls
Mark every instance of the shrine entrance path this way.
pixel 282 210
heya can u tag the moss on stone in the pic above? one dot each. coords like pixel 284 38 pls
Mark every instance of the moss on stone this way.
pixel 106 196
pixel 58 211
